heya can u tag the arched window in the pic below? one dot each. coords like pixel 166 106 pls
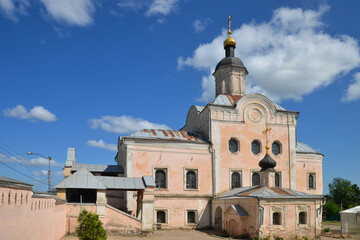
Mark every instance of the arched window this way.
pixel 235 180
pixel 255 179
pixel 233 145
pixel 2 198
pixel 160 216
pixel 21 199
pixel 276 218
pixel 311 181
pixel 191 180
pixel 255 147
pixel 9 198
pixel 276 148
pixel 160 178
pixel 302 217
pixel 26 198
pixel 277 179
pixel 15 198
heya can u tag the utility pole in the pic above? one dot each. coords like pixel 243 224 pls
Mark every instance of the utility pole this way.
pixel 49 171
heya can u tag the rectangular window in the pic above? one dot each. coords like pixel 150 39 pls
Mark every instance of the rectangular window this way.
pixel 191 217
pixel 81 195
pixel 235 179
pixel 255 179
pixel 161 216
pixel 278 179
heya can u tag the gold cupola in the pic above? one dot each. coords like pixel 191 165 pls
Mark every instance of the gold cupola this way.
pixel 229 40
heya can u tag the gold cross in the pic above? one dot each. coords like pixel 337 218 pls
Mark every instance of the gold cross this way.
pixel 267 132
pixel 229 23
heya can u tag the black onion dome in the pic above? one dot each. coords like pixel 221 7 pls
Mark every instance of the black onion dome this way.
pixel 267 164
pixel 230 61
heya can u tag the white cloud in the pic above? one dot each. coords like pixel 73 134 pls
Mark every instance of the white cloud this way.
pixel 200 25
pixel 131 4
pixel 35 162
pixel 12 8
pixel 162 7
pixel 102 144
pixel 40 173
pixel 123 124
pixel 36 113
pixel 288 57
pixel 72 12
pixel 353 92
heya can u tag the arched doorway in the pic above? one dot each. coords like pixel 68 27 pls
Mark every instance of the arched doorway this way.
pixel 233 229
pixel 218 218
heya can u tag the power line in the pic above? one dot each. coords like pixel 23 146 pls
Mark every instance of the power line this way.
pixel 20 163
pixel 22 173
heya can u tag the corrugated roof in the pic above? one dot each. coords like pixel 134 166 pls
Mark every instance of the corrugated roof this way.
pixel 9 182
pixel 239 210
pixel 82 179
pixel 352 210
pixel 166 134
pixel 126 183
pixel 266 192
pixel 98 168
pixel 304 148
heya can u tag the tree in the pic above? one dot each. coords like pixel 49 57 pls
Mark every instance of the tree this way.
pixel 342 191
pixel 90 227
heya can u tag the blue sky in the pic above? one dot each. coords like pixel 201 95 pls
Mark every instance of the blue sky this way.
pixel 81 73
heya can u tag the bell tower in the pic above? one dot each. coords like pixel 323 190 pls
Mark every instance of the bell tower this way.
pixel 230 73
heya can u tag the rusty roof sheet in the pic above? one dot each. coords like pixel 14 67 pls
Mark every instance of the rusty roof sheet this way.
pixel 166 134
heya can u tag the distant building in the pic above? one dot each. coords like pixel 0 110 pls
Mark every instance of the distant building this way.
pixel 350 219
pixel 236 165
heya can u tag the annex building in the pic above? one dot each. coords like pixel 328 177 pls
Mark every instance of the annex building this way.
pixel 236 165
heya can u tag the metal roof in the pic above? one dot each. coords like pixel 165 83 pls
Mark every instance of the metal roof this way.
pixel 231 100
pixel 149 181
pixel 199 108
pixel 166 134
pixel 304 148
pixel 125 183
pixel 71 157
pixel 82 179
pixel 352 210
pixel 98 168
pixel 239 210
pixel 9 182
pixel 266 192
pixel 230 61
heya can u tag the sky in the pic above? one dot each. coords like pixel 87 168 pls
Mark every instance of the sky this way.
pixel 82 73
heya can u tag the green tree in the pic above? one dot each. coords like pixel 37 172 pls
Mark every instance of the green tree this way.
pixel 331 207
pixel 90 227
pixel 342 191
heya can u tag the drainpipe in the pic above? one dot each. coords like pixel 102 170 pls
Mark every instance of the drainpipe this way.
pixel 260 213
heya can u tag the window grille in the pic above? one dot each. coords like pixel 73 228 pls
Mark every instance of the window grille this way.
pixel 302 218
pixel 276 148
pixel 191 216
pixel 255 179
pixel 235 180
pixel 191 180
pixel 311 181
pixel 255 147
pixel 276 218
pixel 160 178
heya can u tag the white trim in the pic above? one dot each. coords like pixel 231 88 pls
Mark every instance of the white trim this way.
pixel 314 179
pixel 186 216
pixel 232 170
pixel 166 169
pixel 196 170
pixel 282 211
pixel 166 215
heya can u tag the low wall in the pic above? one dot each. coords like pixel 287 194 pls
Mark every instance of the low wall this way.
pixel 114 221
pixel 26 217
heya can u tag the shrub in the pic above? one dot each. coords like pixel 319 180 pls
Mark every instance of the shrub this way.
pixel 256 238
pixel 327 229
pixel 90 227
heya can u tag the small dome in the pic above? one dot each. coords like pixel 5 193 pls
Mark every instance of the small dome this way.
pixel 229 41
pixel 267 163
pixel 230 61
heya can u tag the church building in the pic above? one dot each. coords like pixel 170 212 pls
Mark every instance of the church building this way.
pixel 236 165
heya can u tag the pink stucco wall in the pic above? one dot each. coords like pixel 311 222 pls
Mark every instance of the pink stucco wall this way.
pixel 36 218
pixel 310 165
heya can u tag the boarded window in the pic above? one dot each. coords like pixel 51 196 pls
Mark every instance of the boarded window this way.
pixel 255 179
pixel 233 145
pixel 191 180
pixel 277 179
pixel 160 216
pixel 276 148
pixel 191 216
pixel 83 195
pixel 302 218
pixel 160 178
pixel 255 147
pixel 235 180
pixel 276 218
